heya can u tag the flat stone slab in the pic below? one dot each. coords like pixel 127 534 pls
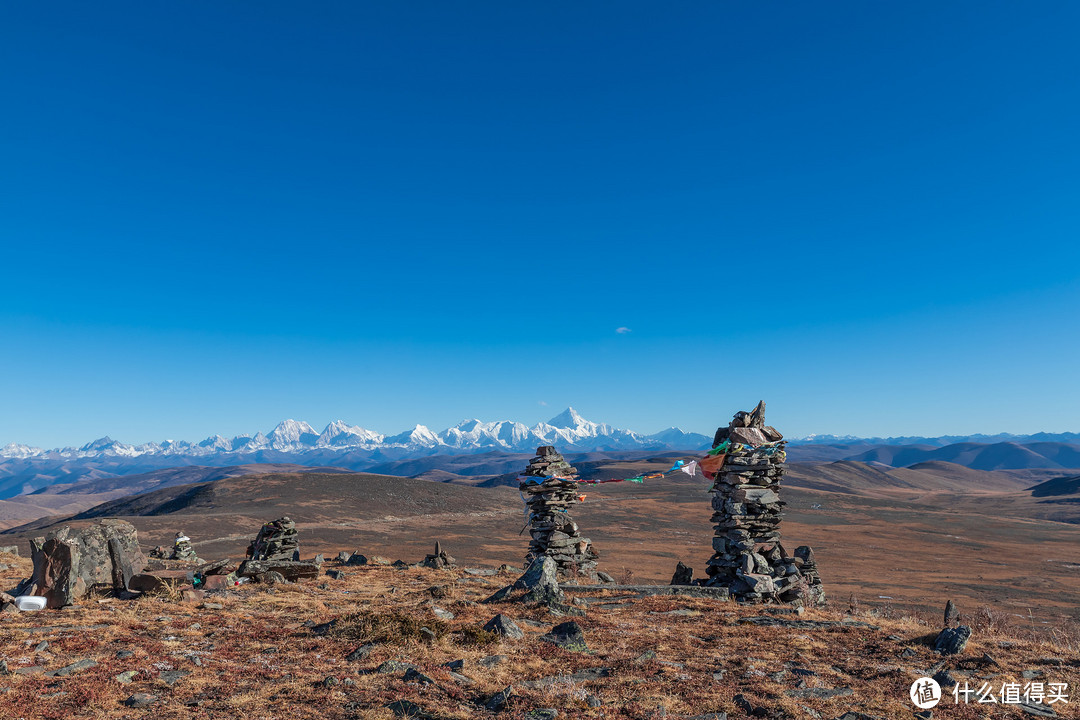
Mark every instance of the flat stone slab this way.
pixel 769 621
pixel 719 593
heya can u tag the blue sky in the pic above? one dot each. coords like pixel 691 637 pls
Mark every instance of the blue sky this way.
pixel 213 218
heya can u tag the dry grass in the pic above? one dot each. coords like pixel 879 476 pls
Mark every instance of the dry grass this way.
pixel 259 657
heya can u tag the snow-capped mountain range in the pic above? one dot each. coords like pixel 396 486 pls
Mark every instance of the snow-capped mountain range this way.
pixel 567 431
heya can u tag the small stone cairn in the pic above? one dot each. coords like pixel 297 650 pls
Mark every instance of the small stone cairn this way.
pixel 181 550
pixel 748 558
pixel 554 533
pixel 276 541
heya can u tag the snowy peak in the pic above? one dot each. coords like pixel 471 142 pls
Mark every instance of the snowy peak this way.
pixel 341 434
pixel 292 434
pixel 419 436
pixel 15 451
pixel 568 418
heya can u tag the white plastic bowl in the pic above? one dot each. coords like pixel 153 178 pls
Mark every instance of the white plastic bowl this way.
pixel 30 602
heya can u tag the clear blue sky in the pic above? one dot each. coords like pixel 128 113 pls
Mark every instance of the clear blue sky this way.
pixel 216 216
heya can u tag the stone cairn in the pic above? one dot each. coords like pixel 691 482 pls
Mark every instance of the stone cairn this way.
pixel 748 558
pixel 554 533
pixel 276 541
pixel 181 550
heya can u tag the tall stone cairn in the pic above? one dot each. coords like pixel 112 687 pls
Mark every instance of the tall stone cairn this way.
pixel 554 532
pixel 748 557
pixel 276 541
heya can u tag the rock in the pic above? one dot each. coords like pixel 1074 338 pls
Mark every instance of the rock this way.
pixel 540 583
pixel 824 693
pixel 951 614
pixel 944 679
pixel 10 550
pixel 491 661
pixel 498 701
pixel 360 653
pixel 290 570
pixel 442 614
pixel 684 575
pixel 319 559
pixel 504 626
pixel 568 636
pixel 428 635
pixel 499 595
pixel 1037 709
pixel 407 709
pixel 212 606
pixel 192 595
pixel 394 667
pixel 343 557
pixel 141 700
pixel 952 641
pixel 69 564
pixel 171 677
pixel 414 675
pixel 329 681
pixel 73 668
pixel 126 677
pixel 593 701
pixel 542 714
pixel 335 574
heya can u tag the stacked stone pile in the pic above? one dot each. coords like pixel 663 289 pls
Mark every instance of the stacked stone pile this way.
pixel 748 557
pixel 182 549
pixel 275 553
pixel 550 489
pixel 276 541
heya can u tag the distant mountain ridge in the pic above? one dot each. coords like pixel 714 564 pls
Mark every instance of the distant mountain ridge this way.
pixel 25 469
pixel 567 430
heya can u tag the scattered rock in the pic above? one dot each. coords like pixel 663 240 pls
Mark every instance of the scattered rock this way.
pixel 335 574
pixel 394 666
pixel 684 575
pixel 442 614
pixel 360 653
pixel 407 709
pixel 414 675
pixel 498 701
pixel 542 714
pixel 952 641
pixel 944 679
pixel 952 615
pixel 491 661
pixel 504 626
pixel 824 693
pixel 126 677
pixel 73 668
pixel 568 636
pixel 171 677
pixel 141 700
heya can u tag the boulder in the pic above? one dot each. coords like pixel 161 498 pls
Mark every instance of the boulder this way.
pixel 291 570
pixel 505 627
pixel 952 641
pixel 568 636
pixel 69 564
pixel 684 575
